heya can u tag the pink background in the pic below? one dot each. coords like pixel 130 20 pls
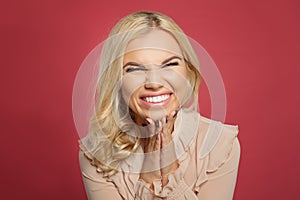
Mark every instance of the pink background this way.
pixel 254 43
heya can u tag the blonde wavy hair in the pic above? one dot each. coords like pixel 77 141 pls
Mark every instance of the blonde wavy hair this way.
pixel 108 143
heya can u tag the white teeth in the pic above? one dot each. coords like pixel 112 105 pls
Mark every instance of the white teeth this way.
pixel 157 99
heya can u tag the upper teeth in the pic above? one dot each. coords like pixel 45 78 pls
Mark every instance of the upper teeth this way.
pixel 157 99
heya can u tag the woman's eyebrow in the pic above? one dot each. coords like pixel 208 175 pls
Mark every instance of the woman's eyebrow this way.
pixel 171 58
pixel 132 64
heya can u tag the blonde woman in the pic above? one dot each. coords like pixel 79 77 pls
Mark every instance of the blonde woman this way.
pixel 146 139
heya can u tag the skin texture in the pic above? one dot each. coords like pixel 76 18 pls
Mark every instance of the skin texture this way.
pixel 154 66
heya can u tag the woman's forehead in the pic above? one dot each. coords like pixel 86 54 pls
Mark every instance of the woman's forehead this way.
pixel 156 39
pixel 149 56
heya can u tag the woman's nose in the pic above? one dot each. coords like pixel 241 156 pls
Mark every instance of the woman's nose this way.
pixel 153 79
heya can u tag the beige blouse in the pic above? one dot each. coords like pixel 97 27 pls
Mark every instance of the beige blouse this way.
pixel 208 153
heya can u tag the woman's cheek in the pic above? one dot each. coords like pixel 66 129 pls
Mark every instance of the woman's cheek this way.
pixel 130 84
pixel 179 83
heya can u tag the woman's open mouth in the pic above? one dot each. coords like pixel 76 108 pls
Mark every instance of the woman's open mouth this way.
pixel 156 100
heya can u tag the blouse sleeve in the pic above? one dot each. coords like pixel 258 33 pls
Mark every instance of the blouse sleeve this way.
pixel 96 186
pixel 222 168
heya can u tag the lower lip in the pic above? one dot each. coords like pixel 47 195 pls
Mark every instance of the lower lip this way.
pixel 152 104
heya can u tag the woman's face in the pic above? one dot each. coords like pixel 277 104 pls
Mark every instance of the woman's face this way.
pixel 154 75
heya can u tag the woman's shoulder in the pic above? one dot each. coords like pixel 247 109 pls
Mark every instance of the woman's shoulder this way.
pixel 88 167
pixel 211 136
pixel 218 141
pixel 208 129
pixel 214 129
pixel 86 162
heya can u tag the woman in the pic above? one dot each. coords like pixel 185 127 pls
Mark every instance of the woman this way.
pixel 146 141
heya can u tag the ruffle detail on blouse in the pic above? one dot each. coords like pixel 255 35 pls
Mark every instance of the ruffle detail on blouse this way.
pixel 143 191
pixel 223 147
pixel 219 150
pixel 88 154
pixel 116 179
pixel 176 187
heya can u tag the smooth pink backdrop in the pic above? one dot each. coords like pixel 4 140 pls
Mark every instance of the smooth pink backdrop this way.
pixel 254 43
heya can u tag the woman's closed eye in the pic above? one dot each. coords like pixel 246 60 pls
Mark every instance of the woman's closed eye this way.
pixel 129 69
pixel 134 68
pixel 175 63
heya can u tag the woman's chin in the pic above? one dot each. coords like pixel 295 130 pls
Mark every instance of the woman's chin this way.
pixel 157 114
